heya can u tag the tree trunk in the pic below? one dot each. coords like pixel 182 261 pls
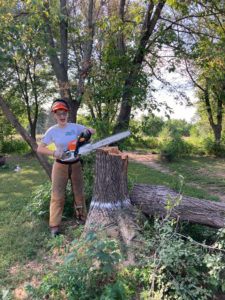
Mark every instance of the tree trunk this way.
pixel 152 16
pixel 162 201
pixel 31 142
pixel 111 209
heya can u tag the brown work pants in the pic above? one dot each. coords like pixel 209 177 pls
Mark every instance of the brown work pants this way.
pixel 60 176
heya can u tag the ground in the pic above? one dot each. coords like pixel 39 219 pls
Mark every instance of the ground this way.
pixel 153 161
pixel 204 173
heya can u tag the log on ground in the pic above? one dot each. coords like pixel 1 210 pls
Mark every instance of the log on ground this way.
pixel 159 200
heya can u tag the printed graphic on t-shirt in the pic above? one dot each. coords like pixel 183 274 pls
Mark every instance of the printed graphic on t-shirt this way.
pixel 69 133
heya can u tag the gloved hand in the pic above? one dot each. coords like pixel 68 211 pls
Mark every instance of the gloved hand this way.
pixel 85 135
pixel 58 153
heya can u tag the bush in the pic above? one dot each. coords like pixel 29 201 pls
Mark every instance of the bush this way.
pixel 174 148
pixel 178 127
pixel 152 125
pixel 213 148
pixel 40 199
pixel 169 266
pixel 15 145
pixel 196 145
pixel 89 272
pixel 88 173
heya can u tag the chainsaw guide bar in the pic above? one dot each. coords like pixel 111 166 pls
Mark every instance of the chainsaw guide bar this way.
pixel 71 156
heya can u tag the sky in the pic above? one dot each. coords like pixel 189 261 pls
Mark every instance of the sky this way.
pixel 182 83
pixel 181 111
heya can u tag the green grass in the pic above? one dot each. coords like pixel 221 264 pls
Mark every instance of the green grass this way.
pixel 20 235
pixel 24 238
pixel 143 174
pixel 203 171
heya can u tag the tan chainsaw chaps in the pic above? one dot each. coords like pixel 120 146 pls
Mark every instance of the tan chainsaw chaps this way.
pixel 60 176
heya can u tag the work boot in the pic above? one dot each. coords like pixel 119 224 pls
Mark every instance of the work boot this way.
pixel 54 231
pixel 81 214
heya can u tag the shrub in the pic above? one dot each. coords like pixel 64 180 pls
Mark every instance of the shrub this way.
pixel 89 272
pixel 15 145
pixel 174 148
pixel 213 148
pixel 152 125
pixel 178 127
pixel 88 173
pixel 196 145
pixel 39 205
pixel 40 199
pixel 169 266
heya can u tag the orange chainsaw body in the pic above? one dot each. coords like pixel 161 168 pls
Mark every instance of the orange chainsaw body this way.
pixel 72 145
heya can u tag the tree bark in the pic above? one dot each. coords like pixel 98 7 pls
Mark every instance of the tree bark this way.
pixel 60 64
pixel 216 126
pixel 153 200
pixel 152 16
pixel 111 209
pixel 31 142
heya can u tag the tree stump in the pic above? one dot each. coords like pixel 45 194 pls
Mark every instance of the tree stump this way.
pixel 111 209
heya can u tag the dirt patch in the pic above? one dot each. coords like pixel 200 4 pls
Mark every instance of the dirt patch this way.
pixel 148 159
pixel 153 161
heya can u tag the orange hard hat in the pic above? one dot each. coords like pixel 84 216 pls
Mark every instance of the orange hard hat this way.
pixel 59 104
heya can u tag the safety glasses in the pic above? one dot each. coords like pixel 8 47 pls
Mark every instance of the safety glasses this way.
pixel 63 113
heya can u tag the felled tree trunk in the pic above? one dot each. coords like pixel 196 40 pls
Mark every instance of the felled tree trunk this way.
pixel 111 209
pixel 161 201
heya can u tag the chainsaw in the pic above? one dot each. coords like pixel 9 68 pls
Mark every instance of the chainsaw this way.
pixel 81 147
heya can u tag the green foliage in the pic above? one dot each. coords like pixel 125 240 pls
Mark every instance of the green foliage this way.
pixel 178 127
pixel 14 146
pixel 169 266
pixel 39 205
pixel 173 146
pixel 196 145
pixel 88 173
pixel 175 270
pixel 213 148
pixel 6 129
pixel 152 125
pixel 89 272
pixel 138 139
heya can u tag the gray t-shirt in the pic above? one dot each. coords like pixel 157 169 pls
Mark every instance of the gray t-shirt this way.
pixel 62 136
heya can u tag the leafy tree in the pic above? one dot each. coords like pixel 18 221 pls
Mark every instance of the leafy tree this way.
pixel 178 127
pixel 152 125
pixel 25 72
pixel 205 63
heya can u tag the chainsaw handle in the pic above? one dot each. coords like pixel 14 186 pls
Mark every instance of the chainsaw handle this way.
pixel 83 138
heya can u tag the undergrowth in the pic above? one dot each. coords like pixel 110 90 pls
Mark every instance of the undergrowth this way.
pixel 169 266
